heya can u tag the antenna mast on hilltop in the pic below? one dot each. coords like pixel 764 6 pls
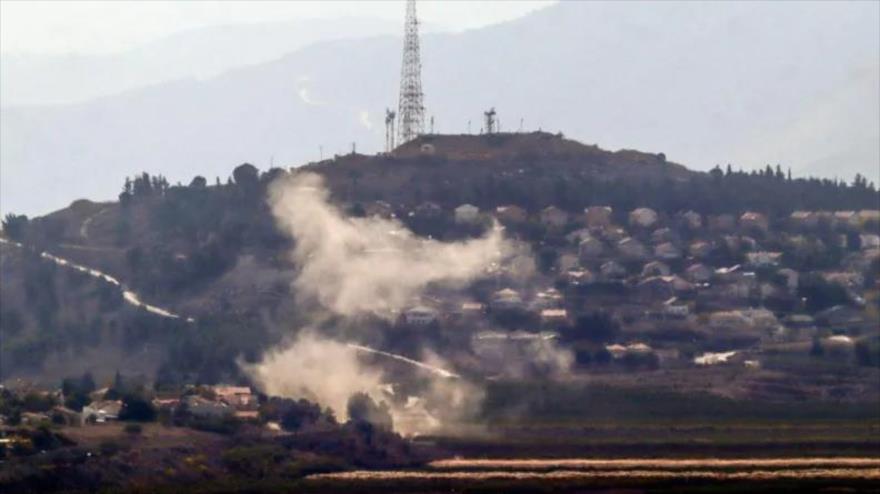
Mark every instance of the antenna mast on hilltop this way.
pixel 411 111
pixel 389 130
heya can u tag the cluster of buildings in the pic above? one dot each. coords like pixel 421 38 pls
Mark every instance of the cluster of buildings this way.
pixel 676 284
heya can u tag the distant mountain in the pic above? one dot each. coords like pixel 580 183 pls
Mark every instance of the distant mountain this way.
pixel 33 79
pixel 714 83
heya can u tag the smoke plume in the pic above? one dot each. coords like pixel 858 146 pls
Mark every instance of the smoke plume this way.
pixel 372 265
pixel 354 266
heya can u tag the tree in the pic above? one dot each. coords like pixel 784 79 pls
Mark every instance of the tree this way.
pixel 246 175
pixel 137 408
pixel 15 226
pixel 198 182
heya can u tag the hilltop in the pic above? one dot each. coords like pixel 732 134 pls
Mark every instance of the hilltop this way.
pixel 213 253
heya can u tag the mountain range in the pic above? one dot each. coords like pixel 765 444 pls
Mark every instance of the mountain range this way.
pixel 747 84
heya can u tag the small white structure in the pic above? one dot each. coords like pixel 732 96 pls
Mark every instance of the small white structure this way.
pixel 554 316
pixel 467 213
pixel 869 241
pixel 714 358
pixel 101 411
pixel 420 316
pixel 507 299
pixel 643 217
pixel 763 259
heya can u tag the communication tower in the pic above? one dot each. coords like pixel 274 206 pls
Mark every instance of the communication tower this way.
pixel 411 109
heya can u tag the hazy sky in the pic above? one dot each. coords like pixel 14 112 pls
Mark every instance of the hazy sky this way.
pixel 91 27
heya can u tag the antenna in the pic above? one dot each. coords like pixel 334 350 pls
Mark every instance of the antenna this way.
pixel 411 109
pixel 389 129
pixel 521 124
pixel 489 117
pixel 432 124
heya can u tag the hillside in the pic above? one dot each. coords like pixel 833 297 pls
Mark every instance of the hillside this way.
pixel 214 254
pixel 704 85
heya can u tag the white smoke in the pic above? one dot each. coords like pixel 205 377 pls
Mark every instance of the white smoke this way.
pixel 369 265
pixel 355 266
pixel 318 369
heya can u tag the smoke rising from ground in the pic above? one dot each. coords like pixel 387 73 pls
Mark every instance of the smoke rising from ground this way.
pixel 372 265
pixel 355 266
pixel 318 369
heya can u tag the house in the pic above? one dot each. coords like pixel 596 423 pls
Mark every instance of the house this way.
pixel 751 220
pixel 554 316
pixel 548 298
pixel 507 299
pixel 631 249
pixel 675 309
pixel 846 279
pixel 612 270
pixel 643 217
pixel 619 351
pixel 691 220
pixel 761 318
pixel 655 268
pixel 868 215
pixel 698 273
pixel 511 214
pixel 428 210
pixel 204 408
pixel 471 310
pixel 804 219
pixel 763 259
pixel 579 276
pixel 553 217
pixel 235 396
pixel 467 213
pixel 420 316
pixel 101 411
pixel 729 321
pixel 869 241
pixel 667 251
pixel 800 322
pixel 838 344
pixel 847 219
pixel 598 216
pixel 700 249
pixel 590 248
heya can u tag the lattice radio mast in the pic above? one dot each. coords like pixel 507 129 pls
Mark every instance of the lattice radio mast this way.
pixel 411 110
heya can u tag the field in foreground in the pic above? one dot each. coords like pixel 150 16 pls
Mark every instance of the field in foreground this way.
pixel 649 475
